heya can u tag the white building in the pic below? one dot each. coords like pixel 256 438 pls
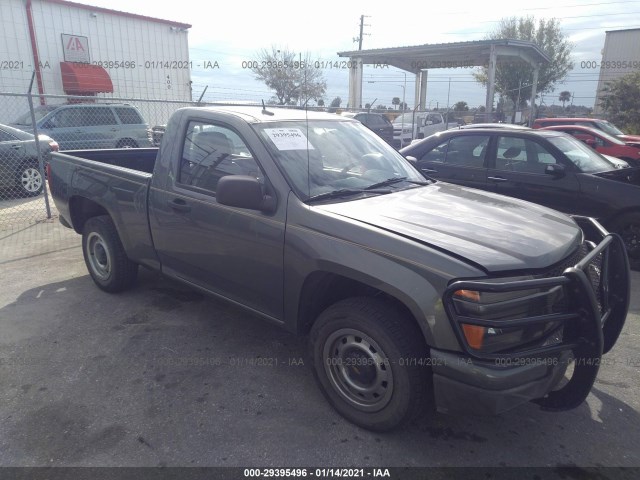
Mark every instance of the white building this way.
pixel 620 56
pixel 78 49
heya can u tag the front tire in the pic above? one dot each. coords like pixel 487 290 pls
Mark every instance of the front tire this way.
pixel 628 227
pixel 369 362
pixel 104 255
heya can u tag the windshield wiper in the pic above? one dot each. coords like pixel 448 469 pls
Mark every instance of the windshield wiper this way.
pixel 392 180
pixel 344 192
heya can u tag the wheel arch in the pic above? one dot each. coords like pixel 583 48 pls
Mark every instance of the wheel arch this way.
pixel 82 209
pixel 611 220
pixel 323 288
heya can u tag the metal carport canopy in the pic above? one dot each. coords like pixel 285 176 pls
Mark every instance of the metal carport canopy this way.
pixel 419 59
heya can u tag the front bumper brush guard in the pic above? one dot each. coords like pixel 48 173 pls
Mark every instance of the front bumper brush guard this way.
pixel 595 331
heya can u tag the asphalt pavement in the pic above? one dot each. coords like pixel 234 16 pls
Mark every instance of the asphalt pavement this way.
pixel 163 376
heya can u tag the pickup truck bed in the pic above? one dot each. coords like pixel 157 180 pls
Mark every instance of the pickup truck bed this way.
pixel 117 178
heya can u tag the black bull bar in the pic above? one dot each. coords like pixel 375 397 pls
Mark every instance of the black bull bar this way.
pixel 598 291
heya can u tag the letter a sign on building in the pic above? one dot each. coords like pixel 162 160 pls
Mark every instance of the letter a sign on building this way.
pixel 76 48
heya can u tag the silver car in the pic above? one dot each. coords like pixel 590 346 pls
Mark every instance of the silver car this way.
pixel 90 125
pixel 19 169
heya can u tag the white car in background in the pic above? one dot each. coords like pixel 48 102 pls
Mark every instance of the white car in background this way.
pixel 416 125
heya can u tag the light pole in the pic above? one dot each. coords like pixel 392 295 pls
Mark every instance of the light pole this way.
pixel 404 94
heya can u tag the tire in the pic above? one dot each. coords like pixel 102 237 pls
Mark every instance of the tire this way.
pixel 104 255
pixel 628 227
pixel 392 388
pixel 127 143
pixel 29 179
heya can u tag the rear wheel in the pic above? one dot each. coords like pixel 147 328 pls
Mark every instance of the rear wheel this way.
pixel 30 180
pixel 369 362
pixel 105 257
pixel 127 143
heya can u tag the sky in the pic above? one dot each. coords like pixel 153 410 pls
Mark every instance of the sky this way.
pixel 231 33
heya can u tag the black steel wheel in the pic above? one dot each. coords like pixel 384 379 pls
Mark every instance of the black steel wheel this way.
pixel 104 255
pixel 369 362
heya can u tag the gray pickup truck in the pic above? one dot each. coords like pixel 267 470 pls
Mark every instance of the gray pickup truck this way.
pixel 414 293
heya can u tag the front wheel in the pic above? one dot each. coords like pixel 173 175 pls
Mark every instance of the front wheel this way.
pixel 104 255
pixel 369 360
pixel 628 227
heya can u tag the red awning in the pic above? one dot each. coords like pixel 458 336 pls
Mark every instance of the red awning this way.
pixel 83 78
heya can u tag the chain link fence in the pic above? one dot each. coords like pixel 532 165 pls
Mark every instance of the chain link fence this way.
pixel 65 123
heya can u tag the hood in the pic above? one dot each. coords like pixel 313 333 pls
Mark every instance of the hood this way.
pixel 495 232
pixel 625 175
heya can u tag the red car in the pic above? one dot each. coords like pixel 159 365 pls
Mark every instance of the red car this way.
pixel 596 123
pixel 602 142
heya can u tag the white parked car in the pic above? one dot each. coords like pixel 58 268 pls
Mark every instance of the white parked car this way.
pixel 416 125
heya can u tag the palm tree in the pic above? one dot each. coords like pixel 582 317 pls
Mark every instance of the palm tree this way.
pixel 395 101
pixel 564 97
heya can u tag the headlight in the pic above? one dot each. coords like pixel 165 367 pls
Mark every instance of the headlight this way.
pixel 503 310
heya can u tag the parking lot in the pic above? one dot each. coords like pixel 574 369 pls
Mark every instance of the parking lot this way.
pixel 163 376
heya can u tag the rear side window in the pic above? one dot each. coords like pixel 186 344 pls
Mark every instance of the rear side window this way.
pixel 96 116
pixel 128 115
pixel 466 150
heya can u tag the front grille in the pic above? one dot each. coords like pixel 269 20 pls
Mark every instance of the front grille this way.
pixel 593 271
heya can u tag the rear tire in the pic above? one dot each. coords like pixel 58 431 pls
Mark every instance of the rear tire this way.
pixel 369 362
pixel 628 227
pixel 104 255
pixel 127 143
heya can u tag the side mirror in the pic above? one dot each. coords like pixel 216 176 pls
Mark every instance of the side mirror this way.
pixel 243 191
pixel 48 124
pixel 590 141
pixel 555 169
pixel 413 160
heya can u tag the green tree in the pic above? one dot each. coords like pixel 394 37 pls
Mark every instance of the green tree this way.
pixel 513 79
pixel 564 97
pixel 290 75
pixel 320 102
pixel 395 101
pixel 335 104
pixel 621 102
pixel 461 107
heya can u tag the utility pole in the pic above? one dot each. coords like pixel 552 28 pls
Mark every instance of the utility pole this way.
pixel 362 25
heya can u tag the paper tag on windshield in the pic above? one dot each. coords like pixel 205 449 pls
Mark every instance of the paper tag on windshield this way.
pixel 288 139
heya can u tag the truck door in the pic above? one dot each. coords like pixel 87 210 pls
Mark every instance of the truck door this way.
pixel 233 252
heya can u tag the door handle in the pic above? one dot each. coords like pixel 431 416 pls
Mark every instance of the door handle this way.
pixel 16 147
pixel 114 129
pixel 429 170
pixel 179 205
pixel 497 179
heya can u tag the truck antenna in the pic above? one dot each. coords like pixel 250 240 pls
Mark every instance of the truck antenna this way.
pixel 264 110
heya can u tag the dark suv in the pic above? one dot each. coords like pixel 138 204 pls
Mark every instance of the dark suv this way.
pixel 90 125
pixel 376 122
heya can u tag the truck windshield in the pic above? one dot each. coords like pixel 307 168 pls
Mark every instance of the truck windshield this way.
pixel 325 156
